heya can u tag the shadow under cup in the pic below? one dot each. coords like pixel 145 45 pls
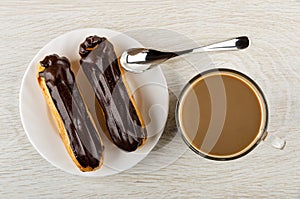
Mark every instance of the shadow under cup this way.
pixel 222 114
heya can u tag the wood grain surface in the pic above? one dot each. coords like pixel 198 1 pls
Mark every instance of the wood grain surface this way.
pixel 171 170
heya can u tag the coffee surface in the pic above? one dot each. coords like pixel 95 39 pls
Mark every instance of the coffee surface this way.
pixel 220 114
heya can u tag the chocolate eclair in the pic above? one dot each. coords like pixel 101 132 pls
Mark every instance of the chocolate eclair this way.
pixel 76 126
pixel 123 119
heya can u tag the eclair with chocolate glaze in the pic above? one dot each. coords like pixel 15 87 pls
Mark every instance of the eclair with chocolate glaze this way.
pixel 76 126
pixel 102 68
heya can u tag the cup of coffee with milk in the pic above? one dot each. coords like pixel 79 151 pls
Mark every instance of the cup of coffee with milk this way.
pixel 222 114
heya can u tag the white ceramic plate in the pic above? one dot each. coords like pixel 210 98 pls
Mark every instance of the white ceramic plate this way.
pixel 149 89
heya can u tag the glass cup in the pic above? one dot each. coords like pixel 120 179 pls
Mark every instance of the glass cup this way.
pixel 222 114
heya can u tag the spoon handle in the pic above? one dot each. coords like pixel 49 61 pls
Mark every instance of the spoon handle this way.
pixel 237 43
pixel 231 44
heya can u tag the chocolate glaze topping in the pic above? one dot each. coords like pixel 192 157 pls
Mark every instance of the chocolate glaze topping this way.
pixel 84 138
pixel 100 65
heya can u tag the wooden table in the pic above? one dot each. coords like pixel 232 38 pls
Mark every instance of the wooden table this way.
pixel 171 170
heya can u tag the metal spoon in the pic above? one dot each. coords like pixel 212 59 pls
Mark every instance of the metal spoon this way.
pixel 138 60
